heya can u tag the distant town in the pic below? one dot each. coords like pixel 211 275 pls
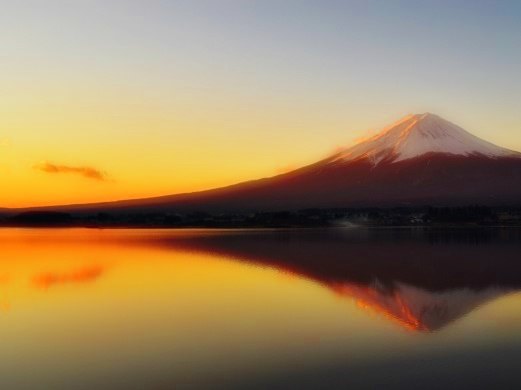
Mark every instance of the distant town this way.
pixel 428 216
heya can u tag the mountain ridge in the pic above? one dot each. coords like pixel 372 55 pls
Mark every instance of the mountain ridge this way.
pixel 420 160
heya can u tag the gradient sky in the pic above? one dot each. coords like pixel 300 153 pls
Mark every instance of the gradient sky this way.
pixel 158 97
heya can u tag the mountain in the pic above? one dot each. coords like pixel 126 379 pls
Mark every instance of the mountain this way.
pixel 420 160
pixel 418 135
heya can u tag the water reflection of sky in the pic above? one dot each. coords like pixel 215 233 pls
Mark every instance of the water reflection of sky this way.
pixel 159 308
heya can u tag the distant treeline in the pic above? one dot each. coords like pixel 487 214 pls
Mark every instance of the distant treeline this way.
pixel 403 216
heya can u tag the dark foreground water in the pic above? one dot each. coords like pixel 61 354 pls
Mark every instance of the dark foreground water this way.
pixel 341 308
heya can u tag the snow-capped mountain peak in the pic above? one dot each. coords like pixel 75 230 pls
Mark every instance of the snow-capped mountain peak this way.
pixel 419 134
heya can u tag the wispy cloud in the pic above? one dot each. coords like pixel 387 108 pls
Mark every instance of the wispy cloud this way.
pixel 87 172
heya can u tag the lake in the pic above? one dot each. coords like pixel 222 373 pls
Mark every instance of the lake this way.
pixel 205 309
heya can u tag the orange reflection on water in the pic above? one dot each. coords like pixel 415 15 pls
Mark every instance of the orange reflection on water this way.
pixel 5 306
pixel 176 302
pixel 391 306
pixel 82 275
pixel 147 260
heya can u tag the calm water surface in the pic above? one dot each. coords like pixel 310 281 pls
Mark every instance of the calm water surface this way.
pixel 140 309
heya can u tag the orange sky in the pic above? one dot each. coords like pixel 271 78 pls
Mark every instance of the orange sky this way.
pixel 102 101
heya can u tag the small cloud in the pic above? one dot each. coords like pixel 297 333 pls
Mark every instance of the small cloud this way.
pixel 88 172
pixel 83 275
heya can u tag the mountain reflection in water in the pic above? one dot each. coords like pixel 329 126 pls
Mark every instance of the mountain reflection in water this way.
pixel 258 309
pixel 422 280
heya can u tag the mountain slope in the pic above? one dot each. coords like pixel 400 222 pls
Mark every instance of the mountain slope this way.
pixel 421 160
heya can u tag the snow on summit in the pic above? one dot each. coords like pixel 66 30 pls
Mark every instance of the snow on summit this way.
pixel 416 135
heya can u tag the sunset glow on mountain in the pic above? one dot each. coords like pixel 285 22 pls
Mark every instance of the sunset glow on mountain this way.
pixel 172 97
pixel 260 194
